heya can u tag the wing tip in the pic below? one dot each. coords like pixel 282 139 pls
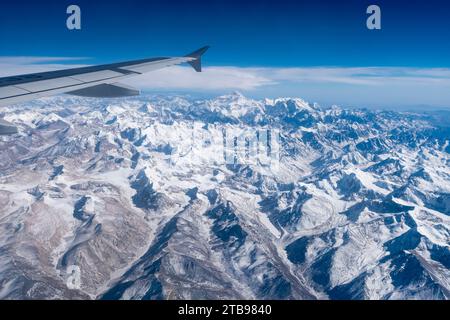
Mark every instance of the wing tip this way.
pixel 197 54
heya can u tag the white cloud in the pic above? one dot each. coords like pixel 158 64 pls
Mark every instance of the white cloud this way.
pixel 217 78
pixel 341 85
pixel 212 78
pixel 361 75
pixel 21 65
pixel 26 60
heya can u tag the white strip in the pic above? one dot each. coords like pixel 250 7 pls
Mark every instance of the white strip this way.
pixel 49 84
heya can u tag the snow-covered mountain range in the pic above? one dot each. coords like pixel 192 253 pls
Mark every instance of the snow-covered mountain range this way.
pixel 137 199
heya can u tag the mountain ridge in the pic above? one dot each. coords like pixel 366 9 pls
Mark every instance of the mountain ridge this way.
pixel 173 197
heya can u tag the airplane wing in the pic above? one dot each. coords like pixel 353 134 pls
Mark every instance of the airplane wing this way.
pixel 93 81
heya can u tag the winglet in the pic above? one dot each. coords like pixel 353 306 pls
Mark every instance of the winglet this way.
pixel 197 63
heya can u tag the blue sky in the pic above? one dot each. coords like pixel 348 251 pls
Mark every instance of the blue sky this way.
pixel 320 50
